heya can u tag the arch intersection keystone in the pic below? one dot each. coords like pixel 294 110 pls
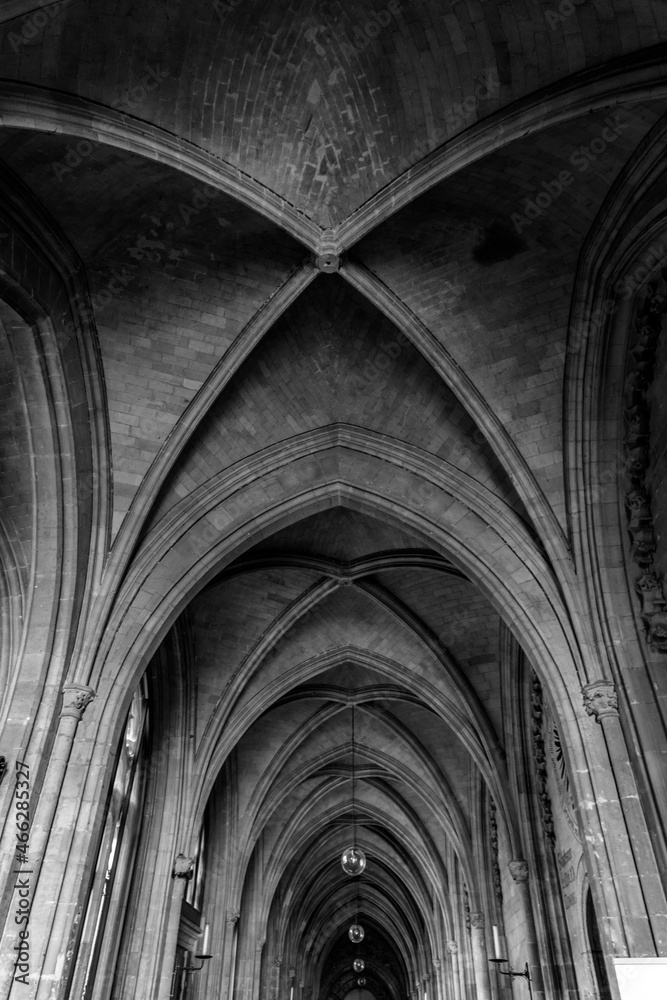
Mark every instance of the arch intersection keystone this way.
pixel 327 258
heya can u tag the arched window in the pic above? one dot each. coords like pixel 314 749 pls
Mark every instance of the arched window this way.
pixel 595 945
pixel 115 859
pixel 195 887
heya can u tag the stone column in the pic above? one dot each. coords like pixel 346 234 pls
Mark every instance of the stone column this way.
pixel 181 874
pixel 253 993
pixel 519 871
pixel 479 956
pixel 455 970
pixel 275 985
pixel 627 841
pixel 438 991
pixel 425 981
pixel 229 953
pixel 44 924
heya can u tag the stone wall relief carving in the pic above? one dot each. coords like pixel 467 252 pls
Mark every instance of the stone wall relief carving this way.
pixel 647 325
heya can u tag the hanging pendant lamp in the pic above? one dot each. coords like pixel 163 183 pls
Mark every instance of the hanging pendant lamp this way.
pixel 356 931
pixel 353 860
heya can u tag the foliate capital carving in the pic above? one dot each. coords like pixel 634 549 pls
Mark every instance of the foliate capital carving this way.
pixel 183 867
pixel 233 916
pixel 292 972
pixel 518 870
pixel 477 920
pixel 452 947
pixel 437 965
pixel 76 698
pixel 600 699
pixel 278 962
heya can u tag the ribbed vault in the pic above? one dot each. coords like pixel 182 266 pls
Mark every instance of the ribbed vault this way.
pixel 287 331
pixel 361 637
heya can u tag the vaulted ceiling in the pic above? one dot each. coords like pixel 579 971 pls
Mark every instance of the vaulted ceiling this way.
pixel 197 157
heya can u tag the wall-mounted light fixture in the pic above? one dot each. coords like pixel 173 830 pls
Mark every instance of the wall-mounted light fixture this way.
pixel 513 973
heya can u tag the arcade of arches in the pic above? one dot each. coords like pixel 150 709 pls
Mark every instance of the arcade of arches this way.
pixel 333 499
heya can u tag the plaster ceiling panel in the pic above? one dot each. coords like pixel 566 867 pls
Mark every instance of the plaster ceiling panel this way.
pixel 119 208
pixel 322 103
pixel 339 534
pixel 229 619
pixel 174 275
pixel 464 622
pixel 345 621
pixel 331 359
pixel 488 259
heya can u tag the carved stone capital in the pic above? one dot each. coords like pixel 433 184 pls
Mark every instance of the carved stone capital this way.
pixel 183 867
pixel 518 870
pixel 292 972
pixel 76 698
pixel 278 962
pixel 260 943
pixel 600 699
pixel 233 916
pixel 477 920
pixel 452 947
pixel 437 965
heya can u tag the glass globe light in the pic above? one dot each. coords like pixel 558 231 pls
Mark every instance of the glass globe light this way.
pixel 356 933
pixel 361 982
pixel 358 965
pixel 353 860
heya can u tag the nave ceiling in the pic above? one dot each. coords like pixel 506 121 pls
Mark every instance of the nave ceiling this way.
pixel 338 494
